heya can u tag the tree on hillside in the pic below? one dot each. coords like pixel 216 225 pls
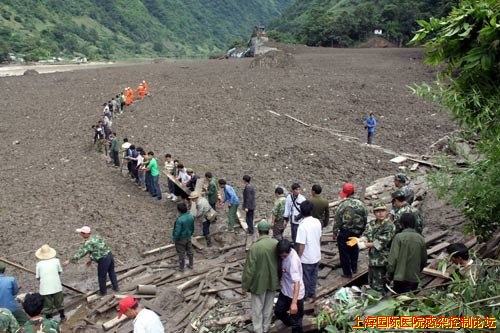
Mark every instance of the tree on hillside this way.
pixel 467 43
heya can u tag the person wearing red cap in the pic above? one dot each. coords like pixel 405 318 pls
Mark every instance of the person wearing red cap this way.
pixel 350 221
pixel 145 321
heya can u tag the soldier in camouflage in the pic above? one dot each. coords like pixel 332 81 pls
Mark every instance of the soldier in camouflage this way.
pixel 350 221
pixel 8 323
pixel 99 252
pixel 278 223
pixel 33 305
pixel 377 238
pixel 399 200
pixel 401 182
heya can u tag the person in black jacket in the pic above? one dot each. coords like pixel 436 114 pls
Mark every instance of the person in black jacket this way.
pixel 249 202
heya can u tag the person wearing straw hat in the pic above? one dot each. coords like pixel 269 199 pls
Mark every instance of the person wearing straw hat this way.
pixel 48 271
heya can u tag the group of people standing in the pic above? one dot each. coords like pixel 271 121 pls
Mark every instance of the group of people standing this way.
pixel 397 250
pixel 39 308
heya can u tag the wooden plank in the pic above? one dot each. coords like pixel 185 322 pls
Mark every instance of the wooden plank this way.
pixel 113 322
pixel 179 184
pixel 323 273
pixel 158 249
pixel 233 278
pixel 142 262
pixel 436 273
pixel 437 248
pixel 414 167
pixel 190 282
pixel 435 236
pixel 196 244
pixel 242 221
pixel 437 166
pixel 399 159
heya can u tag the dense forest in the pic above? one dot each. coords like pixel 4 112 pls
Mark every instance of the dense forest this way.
pixel 344 23
pixel 110 29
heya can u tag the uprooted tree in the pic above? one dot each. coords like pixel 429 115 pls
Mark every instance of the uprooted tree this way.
pixel 465 47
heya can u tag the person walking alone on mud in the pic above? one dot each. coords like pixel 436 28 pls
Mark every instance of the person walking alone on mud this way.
pixel 371 127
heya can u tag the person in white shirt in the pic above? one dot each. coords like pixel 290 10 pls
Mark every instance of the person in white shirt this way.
pixel 145 321
pixel 309 247
pixel 48 270
pixel 292 213
pixel 290 305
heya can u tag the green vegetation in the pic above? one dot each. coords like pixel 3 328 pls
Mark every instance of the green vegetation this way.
pixel 470 298
pixel 467 43
pixel 110 29
pixel 343 23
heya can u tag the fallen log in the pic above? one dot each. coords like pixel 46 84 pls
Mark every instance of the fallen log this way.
pixel 190 283
pixel 142 262
pixel 158 249
pixel 146 289
pixel 433 165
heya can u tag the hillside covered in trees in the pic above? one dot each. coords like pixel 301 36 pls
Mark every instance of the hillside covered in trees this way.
pixel 108 29
pixel 343 23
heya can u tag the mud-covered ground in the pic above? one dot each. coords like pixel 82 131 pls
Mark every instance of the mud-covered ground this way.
pixel 213 116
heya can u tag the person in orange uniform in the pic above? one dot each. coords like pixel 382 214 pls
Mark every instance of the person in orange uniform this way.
pixel 129 96
pixel 140 91
pixel 146 87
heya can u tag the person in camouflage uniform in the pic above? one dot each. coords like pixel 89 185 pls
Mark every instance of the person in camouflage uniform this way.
pixel 99 252
pixel 377 238
pixel 398 198
pixel 278 223
pixel 33 305
pixel 8 323
pixel 402 183
pixel 350 221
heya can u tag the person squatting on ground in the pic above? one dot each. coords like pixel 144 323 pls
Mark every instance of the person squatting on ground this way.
pixel 278 223
pixel 290 305
pixel 145 321
pixel 350 221
pixel 99 252
pixel 48 271
pixel 371 127
pixel 407 257
pixel 232 201
pixel 321 209
pixel 292 209
pixel 260 277
pixel 181 234
pixel 377 238
pixel 8 291
pixel 399 201
pixel 33 305
pixel 249 202
pixel 309 248
pixel 202 208
pixel 8 323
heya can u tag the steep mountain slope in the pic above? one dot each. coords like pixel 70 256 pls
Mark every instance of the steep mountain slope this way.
pixel 347 22
pixel 127 28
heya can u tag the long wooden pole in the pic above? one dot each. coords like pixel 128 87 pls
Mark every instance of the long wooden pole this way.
pixel 8 262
